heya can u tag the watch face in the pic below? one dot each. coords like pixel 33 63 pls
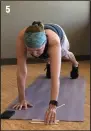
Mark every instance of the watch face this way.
pixel 54 102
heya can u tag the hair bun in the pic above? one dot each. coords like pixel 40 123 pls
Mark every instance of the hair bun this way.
pixel 36 26
pixel 38 23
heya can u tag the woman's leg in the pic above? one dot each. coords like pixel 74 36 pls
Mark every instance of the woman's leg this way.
pixel 48 72
pixel 71 57
pixel 75 65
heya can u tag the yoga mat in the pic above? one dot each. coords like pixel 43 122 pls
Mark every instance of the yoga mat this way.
pixel 71 93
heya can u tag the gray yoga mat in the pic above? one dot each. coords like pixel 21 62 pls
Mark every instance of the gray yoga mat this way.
pixel 72 94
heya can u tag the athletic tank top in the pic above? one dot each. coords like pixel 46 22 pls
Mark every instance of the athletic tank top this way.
pixel 58 31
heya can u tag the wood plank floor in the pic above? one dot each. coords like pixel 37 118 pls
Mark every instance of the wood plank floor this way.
pixel 9 93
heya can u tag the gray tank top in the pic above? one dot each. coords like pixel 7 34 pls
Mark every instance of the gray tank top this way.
pixel 58 31
pixel 54 28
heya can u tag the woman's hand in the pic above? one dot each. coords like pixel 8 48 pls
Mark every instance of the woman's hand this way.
pixel 22 105
pixel 50 115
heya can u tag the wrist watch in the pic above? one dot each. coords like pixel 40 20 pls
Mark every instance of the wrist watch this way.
pixel 53 102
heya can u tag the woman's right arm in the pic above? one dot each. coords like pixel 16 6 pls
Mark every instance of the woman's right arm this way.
pixel 21 55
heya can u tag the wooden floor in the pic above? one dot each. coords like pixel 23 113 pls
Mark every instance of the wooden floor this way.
pixel 9 93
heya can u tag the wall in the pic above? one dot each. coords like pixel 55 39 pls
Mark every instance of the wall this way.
pixel 73 16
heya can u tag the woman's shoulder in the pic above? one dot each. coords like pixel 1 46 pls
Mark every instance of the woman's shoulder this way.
pixel 52 37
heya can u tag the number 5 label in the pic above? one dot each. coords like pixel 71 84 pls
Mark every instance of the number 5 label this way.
pixel 8 9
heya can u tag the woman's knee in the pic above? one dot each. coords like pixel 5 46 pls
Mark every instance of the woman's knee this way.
pixel 71 55
pixel 68 55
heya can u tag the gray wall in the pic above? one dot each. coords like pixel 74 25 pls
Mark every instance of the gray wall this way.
pixel 73 16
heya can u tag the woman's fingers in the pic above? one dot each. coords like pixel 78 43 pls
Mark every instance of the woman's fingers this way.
pixel 17 108
pixel 14 106
pixel 25 105
pixel 49 117
pixel 20 107
pixel 46 115
pixel 29 105
pixel 52 120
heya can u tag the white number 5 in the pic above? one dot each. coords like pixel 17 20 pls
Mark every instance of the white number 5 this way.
pixel 8 9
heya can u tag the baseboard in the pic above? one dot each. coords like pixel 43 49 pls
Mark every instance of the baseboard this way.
pixel 13 61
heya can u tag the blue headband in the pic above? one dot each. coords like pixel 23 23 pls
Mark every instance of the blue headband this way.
pixel 35 40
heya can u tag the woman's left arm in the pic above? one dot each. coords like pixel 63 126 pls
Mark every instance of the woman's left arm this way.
pixel 55 66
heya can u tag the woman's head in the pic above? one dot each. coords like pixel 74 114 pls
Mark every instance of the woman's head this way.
pixel 35 37
pixel 36 51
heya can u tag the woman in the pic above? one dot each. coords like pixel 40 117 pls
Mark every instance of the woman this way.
pixel 48 42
